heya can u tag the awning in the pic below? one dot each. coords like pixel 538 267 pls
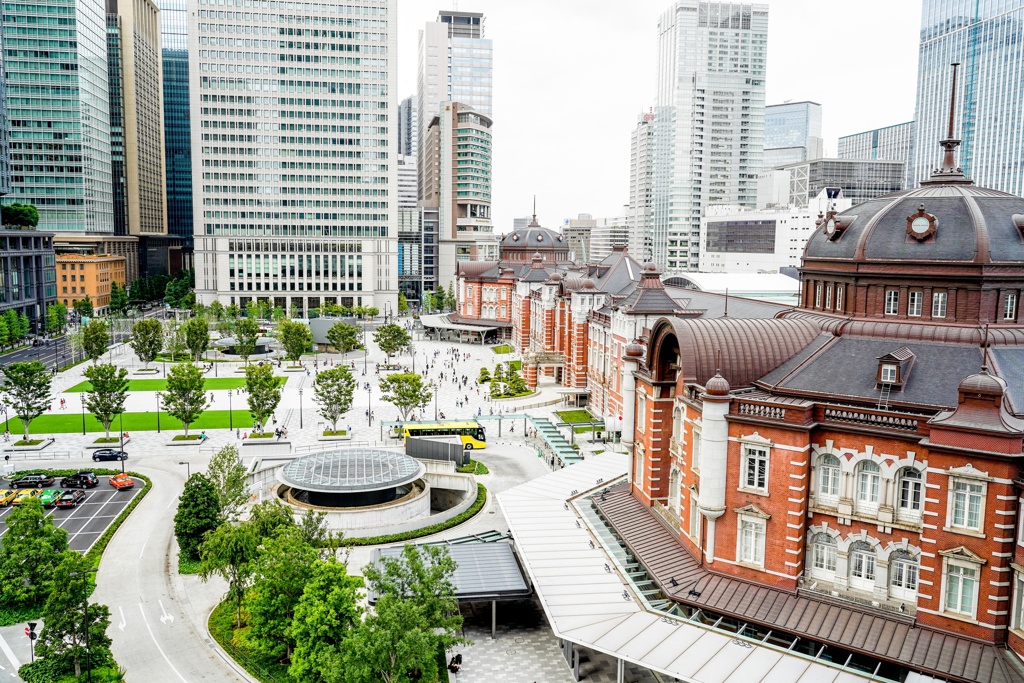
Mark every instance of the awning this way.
pixel 441 322
pixel 572 391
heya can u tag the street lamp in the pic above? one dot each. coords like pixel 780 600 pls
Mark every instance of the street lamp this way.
pixel 435 400
pixel 366 349
pixel 188 469
pixel 231 413
pixel 83 417
pixel 300 407
pixel 120 420
pixel 369 405
pixel 85 605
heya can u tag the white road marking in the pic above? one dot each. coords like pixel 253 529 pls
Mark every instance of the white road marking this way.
pixel 165 617
pixel 159 649
pixel 9 653
pixel 123 621
pixel 143 547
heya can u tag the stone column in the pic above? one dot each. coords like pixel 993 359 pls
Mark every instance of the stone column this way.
pixel 630 364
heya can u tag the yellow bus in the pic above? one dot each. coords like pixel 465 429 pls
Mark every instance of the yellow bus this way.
pixel 470 432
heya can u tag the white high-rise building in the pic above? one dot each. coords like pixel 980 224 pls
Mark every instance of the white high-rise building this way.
pixel 641 170
pixel 408 129
pixel 609 233
pixel 792 133
pixel 709 120
pixel 293 153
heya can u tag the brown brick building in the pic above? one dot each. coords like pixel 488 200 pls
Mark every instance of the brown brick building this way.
pixel 81 275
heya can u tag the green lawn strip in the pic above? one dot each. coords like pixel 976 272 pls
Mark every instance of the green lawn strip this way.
pixel 587 429
pixel 478 504
pixel 210 384
pixel 515 365
pixel 502 349
pixel 574 416
pixel 71 422
pixel 188 566
pixel 39 672
pixel 474 467
pixel 265 669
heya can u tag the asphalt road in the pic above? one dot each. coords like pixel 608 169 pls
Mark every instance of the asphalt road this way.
pixel 86 522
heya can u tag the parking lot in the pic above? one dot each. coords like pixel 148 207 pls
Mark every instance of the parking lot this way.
pixel 87 522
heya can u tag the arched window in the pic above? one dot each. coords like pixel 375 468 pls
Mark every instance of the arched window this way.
pixel 674 491
pixel 677 425
pixel 911 496
pixel 862 566
pixel 828 478
pixel 903 573
pixel 823 556
pixel 869 484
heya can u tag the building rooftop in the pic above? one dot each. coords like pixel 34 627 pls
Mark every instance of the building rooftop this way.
pixel 351 471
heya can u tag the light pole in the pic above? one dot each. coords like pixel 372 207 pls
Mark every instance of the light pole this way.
pixel 188 469
pixel 366 349
pixel 435 400
pixel 300 407
pixel 231 413
pixel 369 405
pixel 85 606
pixel 120 421
pixel 83 417
pixel 158 412
pixel 412 350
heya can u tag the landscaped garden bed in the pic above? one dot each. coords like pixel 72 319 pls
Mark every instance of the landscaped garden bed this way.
pixel 70 422
pixel 502 349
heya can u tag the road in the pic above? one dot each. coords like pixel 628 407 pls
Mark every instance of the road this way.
pixel 157 617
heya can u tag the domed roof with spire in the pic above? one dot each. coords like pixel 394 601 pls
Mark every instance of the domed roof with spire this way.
pixel 523 244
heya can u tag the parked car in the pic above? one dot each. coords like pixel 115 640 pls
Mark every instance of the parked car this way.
pixel 109 454
pixel 122 481
pixel 32 481
pixel 80 480
pixel 7 496
pixel 25 494
pixel 50 496
pixel 70 499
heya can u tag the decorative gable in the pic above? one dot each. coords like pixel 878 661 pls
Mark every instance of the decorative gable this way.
pixel 962 553
pixel 752 511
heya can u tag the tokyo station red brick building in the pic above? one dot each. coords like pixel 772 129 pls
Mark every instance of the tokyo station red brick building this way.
pixel 846 475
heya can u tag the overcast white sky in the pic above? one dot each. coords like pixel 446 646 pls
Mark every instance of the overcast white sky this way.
pixel 570 77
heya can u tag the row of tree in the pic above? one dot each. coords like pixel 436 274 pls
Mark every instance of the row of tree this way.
pixel 439 300
pixel 505 382
pixel 294 597
pixel 14 327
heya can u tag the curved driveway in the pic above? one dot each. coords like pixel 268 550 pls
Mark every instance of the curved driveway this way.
pixel 157 617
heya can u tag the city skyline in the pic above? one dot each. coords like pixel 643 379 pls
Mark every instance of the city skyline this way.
pixel 594 174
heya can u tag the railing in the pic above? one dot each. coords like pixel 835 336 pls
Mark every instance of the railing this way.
pixel 887 421
pixel 759 410
pixel 665 513
pixel 11 456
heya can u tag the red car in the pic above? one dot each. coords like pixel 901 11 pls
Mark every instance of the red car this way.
pixel 122 481
pixel 70 499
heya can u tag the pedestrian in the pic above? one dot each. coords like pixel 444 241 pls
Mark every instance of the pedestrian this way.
pixel 238 433
pixel 245 435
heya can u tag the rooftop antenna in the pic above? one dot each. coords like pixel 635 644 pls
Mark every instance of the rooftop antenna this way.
pixel 726 314
pixel 984 350
pixel 534 223
pixel 948 172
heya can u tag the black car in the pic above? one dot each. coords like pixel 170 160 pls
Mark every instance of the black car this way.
pixel 108 454
pixel 80 480
pixel 70 499
pixel 32 481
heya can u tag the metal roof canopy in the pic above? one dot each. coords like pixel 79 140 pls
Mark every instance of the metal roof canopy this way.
pixel 351 471
pixel 441 322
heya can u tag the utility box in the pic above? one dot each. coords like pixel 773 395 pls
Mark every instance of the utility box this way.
pixel 447 448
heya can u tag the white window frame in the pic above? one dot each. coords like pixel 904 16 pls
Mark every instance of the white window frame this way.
pixel 961 493
pixel 1017 616
pixel 955 570
pixel 828 296
pixel 839 298
pixel 888 374
pixel 817 296
pixel 638 466
pixel 1010 306
pixel 869 481
pixel 915 302
pixel 939 304
pixel 892 302
pixel 752 477
pixel 641 411
pixel 823 554
pixel 910 489
pixel 829 484
pixel 694 519
pixel 863 569
pixel 1020 525
pixel 698 445
pixel 904 570
pixel 675 490
pixel 750 540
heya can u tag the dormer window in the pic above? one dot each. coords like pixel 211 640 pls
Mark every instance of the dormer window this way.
pixel 1010 307
pixel 892 302
pixel 888 374
pixel 894 369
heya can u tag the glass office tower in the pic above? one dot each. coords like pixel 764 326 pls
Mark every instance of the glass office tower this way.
pixel 59 113
pixel 177 128
pixel 984 36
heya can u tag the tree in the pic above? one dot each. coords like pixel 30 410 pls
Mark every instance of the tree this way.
pixel 227 473
pixel 317 534
pixel 23 325
pixel 229 551
pixel 30 553
pixel 174 338
pixel 197 336
pixel 391 339
pixel 427 304
pixel 76 342
pixel 178 293
pixel 63 638
pixel 27 390
pixel 247 331
pixel 371 311
pixel 389 646
pixel 198 513
pixel 83 307
pixel 403 303
pixel 262 391
pixel 333 391
pixel 147 339
pixel 109 391
pixel 185 398
pixel 21 215
pixel 440 298
pixel 296 339
pixel 324 616
pixel 118 297
pixel 56 318
pixel 406 391
pixel 232 311
pixel 278 314
pixel 95 338
pixel 269 516
pixel 283 567
pixel 452 301
pixel 5 333
pixel 343 337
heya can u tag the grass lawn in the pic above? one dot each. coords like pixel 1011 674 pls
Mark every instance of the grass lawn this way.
pixel 502 349
pixel 515 365
pixel 70 423
pixel 575 416
pixel 210 384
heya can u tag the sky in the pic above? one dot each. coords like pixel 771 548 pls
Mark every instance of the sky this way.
pixel 571 76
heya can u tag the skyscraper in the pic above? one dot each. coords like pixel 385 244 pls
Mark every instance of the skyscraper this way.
pixel 895 143
pixel 641 168
pixel 709 119
pixel 454 66
pixel 792 133
pixel 984 37
pixel 408 129
pixel 295 190
pixel 177 122
pixel 136 104
pixel 59 111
